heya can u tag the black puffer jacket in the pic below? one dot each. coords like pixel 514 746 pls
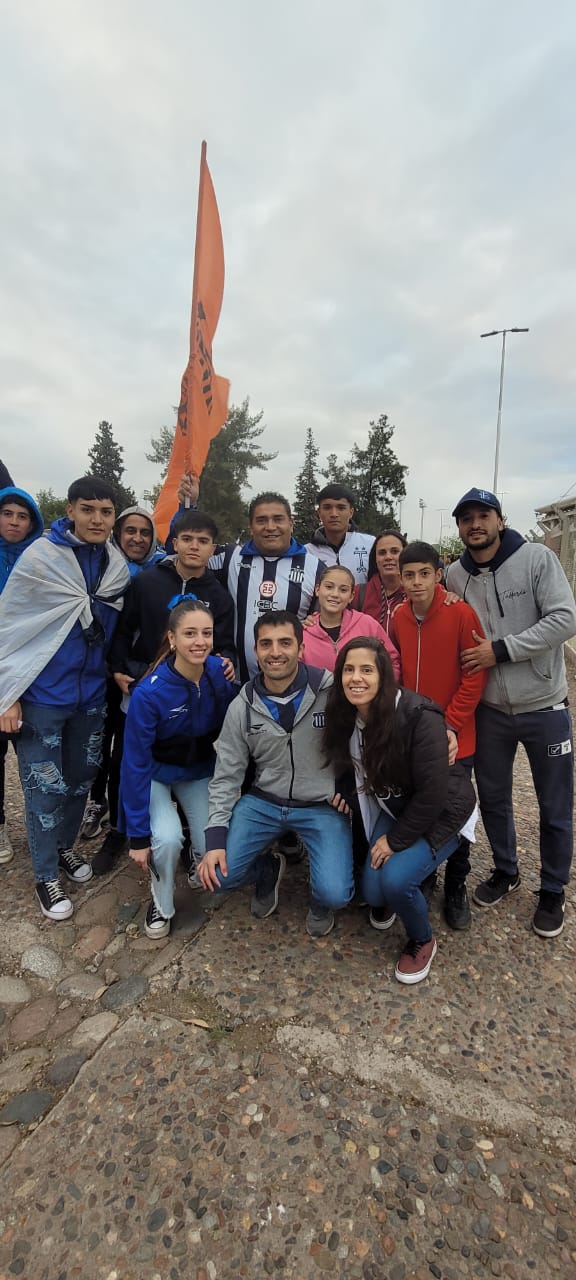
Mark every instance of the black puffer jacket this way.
pixel 438 799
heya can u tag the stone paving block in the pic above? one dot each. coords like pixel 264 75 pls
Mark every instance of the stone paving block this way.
pixel 43 961
pixel 15 936
pixel 81 986
pixel 92 1031
pixel 21 1068
pixel 98 909
pixel 90 943
pixel 126 993
pixel 65 1069
pixel 30 1023
pixel 14 991
pixel 26 1107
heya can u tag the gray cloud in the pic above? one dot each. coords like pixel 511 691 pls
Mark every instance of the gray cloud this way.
pixel 391 184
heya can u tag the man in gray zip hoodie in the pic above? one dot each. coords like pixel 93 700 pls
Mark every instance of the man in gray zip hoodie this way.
pixel 275 724
pixel 527 609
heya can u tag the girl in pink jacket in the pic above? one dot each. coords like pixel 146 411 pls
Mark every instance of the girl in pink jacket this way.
pixel 336 622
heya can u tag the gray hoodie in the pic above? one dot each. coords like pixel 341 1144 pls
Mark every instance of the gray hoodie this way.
pixel 524 602
pixel 290 767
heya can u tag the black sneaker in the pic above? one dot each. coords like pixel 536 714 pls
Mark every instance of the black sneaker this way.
pixel 291 848
pixel 265 900
pixel 382 917
pixel 53 901
pixel 94 820
pixel 496 887
pixel 77 869
pixel 548 919
pixel 110 849
pixel 319 922
pixel 428 886
pixel 155 924
pixel 457 913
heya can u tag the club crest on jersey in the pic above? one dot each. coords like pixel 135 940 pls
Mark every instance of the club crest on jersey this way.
pixel 296 574
pixel 318 719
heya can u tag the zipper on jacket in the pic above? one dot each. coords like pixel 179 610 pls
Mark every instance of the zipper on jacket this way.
pixel 499 674
pixel 291 787
pixel 419 626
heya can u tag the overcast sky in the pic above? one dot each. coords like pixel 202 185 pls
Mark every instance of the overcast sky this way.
pixel 392 181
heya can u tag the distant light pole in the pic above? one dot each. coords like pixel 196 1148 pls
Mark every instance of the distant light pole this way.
pixel 441 511
pixel 494 333
pixel 422 505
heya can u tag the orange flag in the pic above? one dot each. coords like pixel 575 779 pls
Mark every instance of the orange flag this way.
pixel 203 405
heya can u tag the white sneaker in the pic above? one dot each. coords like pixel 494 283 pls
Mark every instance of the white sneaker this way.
pixel 74 867
pixel 6 850
pixel 156 925
pixel 53 901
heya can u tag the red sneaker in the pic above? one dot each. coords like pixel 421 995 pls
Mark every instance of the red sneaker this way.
pixel 414 963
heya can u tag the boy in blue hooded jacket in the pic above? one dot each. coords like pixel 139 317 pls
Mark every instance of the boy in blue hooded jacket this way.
pixel 20 524
pixel 57 617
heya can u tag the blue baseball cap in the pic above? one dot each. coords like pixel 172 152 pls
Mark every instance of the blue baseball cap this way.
pixel 480 498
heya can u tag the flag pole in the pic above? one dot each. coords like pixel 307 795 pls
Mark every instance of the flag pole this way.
pixel 195 297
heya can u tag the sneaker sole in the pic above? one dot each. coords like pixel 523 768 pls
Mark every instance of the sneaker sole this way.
pixel 324 933
pixel 410 978
pixel 548 933
pixel 274 907
pixel 382 925
pixel 161 932
pixel 5 858
pixel 62 915
pixel 495 901
pixel 76 879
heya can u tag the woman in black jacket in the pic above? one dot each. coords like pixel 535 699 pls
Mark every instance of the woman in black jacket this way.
pixel 413 804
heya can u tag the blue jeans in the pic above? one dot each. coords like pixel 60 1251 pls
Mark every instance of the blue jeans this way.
pixel 58 758
pixel 255 823
pixel 398 881
pixel 546 737
pixel 167 836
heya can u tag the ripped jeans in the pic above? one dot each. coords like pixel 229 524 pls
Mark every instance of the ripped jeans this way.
pixel 58 756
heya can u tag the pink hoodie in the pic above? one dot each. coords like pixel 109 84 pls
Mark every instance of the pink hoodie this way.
pixel 321 651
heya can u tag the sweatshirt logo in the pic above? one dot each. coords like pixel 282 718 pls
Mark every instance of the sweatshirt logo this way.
pixel 318 719
pixel 361 554
pixel 560 748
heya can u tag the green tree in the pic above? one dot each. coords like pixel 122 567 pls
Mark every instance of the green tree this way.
pixel 374 474
pixel 233 454
pixel 106 461
pixel 51 506
pixel 161 448
pixel 306 489
pixel 451 545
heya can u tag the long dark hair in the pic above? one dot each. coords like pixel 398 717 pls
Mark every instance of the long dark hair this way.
pixel 384 757
pixel 385 533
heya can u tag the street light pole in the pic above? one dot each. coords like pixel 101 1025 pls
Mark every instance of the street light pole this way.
pixel 493 334
pixel 422 505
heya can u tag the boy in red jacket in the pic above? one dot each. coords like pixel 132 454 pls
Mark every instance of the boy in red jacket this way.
pixel 431 637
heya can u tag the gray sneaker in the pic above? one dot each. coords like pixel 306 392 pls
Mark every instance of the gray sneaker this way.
pixel 265 900
pixel 319 922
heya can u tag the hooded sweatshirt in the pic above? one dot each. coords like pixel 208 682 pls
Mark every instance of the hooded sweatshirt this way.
pixel 527 609
pixel 320 650
pixel 430 652
pixel 10 552
pixel 353 552
pixel 154 555
pixel 258 584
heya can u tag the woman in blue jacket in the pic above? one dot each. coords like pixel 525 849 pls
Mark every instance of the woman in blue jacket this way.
pixel 174 717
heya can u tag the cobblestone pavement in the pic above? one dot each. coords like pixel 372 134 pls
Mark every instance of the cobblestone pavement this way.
pixel 239 1100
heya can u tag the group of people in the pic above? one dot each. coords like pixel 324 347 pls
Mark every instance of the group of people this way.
pixel 273 700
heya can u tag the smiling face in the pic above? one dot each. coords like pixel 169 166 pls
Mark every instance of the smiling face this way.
pixel 278 652
pixel 387 552
pixel 480 528
pixel 135 538
pixel 192 639
pixel 419 581
pixel 271 529
pixel 93 519
pixel 335 591
pixel 360 679
pixel 15 521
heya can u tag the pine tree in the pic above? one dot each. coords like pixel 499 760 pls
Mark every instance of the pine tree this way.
pixel 50 506
pixel 106 462
pixel 160 455
pixel 375 476
pixel 233 454
pixel 306 489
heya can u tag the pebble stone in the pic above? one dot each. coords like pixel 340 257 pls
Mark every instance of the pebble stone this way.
pixel 130 991
pixel 92 1031
pixel 14 991
pixel 26 1107
pixel 43 961
pixel 63 1070
pixel 80 986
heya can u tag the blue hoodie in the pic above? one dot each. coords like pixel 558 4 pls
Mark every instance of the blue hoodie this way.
pixel 171 726
pixel 76 676
pixel 10 552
